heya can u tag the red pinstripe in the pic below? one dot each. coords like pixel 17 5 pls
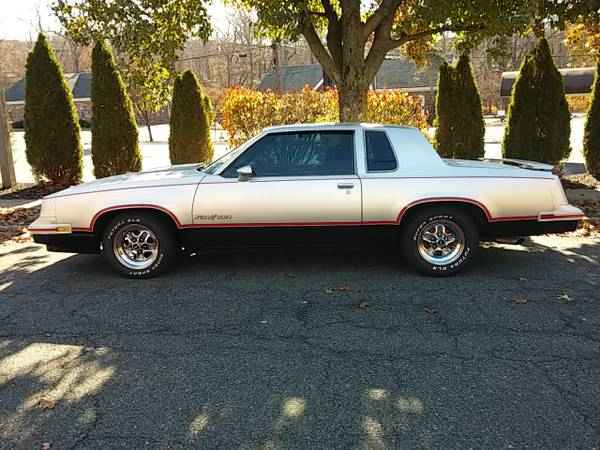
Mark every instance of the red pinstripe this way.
pixel 317 224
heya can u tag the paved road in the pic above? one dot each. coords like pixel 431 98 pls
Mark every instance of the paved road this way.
pixel 288 350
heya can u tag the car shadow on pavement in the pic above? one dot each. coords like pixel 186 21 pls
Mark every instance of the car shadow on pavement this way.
pixel 297 349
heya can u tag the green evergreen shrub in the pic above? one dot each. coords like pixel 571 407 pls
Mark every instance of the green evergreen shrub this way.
pixel 51 122
pixel 115 147
pixel 191 117
pixel 468 126
pixel 591 136
pixel 538 116
pixel 444 110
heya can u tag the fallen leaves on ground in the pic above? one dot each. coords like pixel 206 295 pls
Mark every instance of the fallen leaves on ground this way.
pixel 430 310
pixel 28 191
pixel 46 403
pixel 565 298
pixel 361 305
pixel 14 222
pixel 579 181
pixel 589 227
pixel 520 301
pixel 337 289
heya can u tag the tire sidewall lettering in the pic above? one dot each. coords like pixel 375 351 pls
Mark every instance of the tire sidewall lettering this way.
pixel 464 256
pixel 134 273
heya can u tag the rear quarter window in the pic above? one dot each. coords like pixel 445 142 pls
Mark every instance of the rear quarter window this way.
pixel 380 155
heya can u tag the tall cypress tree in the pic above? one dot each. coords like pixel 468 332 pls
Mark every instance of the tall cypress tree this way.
pixel 469 127
pixel 115 147
pixel 191 116
pixel 591 137
pixel 51 121
pixel 444 110
pixel 538 116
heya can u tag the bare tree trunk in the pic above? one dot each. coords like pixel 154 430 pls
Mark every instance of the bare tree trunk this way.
pixel 146 115
pixel 353 101
pixel 354 83
pixel 7 166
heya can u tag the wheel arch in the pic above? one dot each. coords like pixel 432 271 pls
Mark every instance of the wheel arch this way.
pixel 102 218
pixel 475 209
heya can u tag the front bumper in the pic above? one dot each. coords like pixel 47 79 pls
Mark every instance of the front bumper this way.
pixel 70 243
pixel 59 237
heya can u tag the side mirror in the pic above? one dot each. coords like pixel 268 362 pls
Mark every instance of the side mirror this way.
pixel 245 173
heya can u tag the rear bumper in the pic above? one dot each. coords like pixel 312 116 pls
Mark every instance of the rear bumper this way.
pixel 70 243
pixel 562 220
pixel 529 228
pixel 563 213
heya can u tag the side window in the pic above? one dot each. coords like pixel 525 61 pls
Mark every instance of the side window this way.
pixel 380 155
pixel 299 154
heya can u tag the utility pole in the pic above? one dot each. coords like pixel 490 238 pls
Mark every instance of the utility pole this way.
pixel 7 166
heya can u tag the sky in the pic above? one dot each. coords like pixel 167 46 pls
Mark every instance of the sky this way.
pixel 19 17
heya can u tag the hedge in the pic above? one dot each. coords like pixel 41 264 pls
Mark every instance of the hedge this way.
pixel 115 147
pixel 591 137
pixel 53 146
pixel 191 117
pixel 246 112
pixel 538 116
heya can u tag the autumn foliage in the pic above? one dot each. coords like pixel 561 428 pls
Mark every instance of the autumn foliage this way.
pixel 246 112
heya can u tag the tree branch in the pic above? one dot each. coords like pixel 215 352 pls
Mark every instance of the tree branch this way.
pixel 334 32
pixel 318 49
pixel 395 43
pixel 386 9
pixel 382 43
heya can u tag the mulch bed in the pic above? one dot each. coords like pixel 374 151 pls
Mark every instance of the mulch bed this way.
pixel 30 191
pixel 581 181
pixel 13 223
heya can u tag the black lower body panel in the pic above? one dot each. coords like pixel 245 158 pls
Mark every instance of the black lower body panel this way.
pixel 349 236
pixel 528 228
pixel 69 243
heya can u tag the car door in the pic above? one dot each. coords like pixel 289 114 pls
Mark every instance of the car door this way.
pixel 300 179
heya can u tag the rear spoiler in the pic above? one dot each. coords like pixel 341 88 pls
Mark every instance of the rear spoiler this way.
pixel 521 163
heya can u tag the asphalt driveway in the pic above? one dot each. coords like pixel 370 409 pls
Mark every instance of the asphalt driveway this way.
pixel 293 350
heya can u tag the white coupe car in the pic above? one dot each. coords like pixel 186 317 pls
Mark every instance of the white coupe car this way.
pixel 305 183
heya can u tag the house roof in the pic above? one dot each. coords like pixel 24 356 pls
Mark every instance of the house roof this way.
pixel 293 78
pixel 80 84
pixel 399 73
pixel 575 81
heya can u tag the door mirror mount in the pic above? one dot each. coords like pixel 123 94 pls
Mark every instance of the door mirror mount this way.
pixel 245 173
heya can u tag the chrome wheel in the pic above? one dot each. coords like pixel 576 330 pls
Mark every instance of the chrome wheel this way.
pixel 135 246
pixel 441 242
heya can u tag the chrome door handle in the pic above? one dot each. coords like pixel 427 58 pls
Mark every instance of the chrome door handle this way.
pixel 345 185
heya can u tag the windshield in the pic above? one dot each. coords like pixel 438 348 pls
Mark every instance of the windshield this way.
pixel 217 164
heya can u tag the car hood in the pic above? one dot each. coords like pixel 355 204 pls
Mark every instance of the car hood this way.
pixel 167 176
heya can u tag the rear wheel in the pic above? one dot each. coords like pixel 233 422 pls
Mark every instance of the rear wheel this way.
pixel 139 245
pixel 440 241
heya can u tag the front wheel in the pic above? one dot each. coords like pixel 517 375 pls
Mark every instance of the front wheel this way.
pixel 139 245
pixel 440 241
